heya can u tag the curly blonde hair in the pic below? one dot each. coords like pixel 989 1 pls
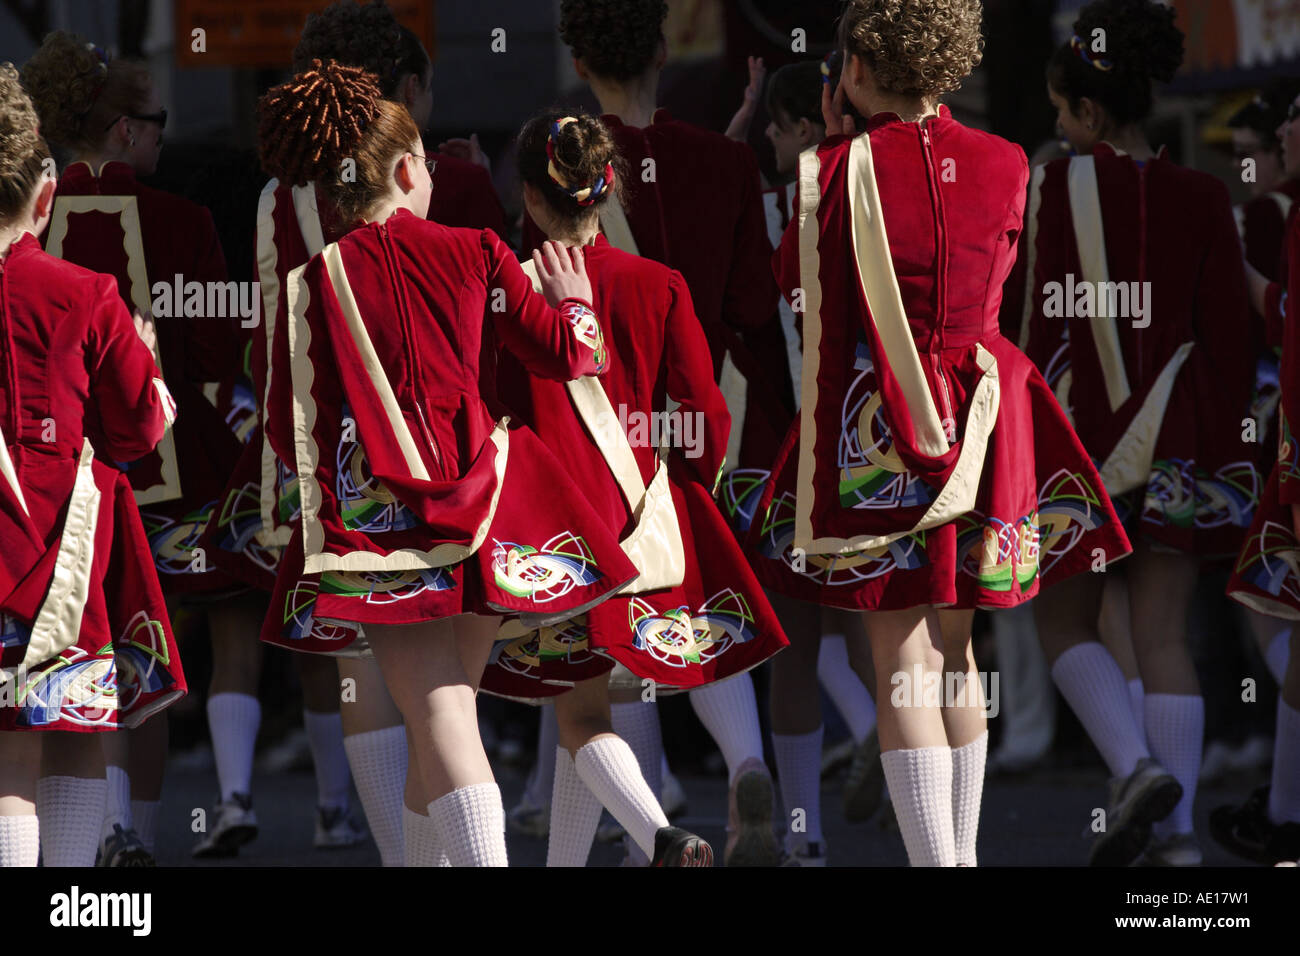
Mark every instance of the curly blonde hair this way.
pixel 22 150
pixel 916 47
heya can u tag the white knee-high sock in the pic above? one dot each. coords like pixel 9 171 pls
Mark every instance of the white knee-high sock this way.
pixel 611 771
pixel 920 783
pixel 638 724
pixel 117 801
pixel 471 825
pixel 799 772
pixel 575 814
pixel 967 792
pixel 378 761
pixel 1176 730
pixel 144 816
pixel 1137 700
pixel 729 712
pixel 542 780
pixel 1277 654
pixel 233 720
pixel 71 811
pixel 844 687
pixel 20 841
pixel 333 780
pixel 1094 687
pixel 1284 794
pixel 419 841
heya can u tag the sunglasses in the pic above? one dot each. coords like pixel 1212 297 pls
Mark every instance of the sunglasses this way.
pixel 160 118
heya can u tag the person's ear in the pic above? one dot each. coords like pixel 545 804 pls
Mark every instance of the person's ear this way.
pixel 44 198
pixel 581 69
pixel 661 53
pixel 1090 114
pixel 857 70
pixel 411 88
pixel 804 131
pixel 404 173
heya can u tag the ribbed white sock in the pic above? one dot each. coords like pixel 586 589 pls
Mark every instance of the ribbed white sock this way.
pixel 638 724
pixel 117 801
pixel 1176 730
pixel 1284 794
pixel 967 792
pixel 611 771
pixel 333 780
pixel 71 811
pixel 144 817
pixel 920 782
pixel 1137 700
pixel 471 825
pixel 729 712
pixel 844 687
pixel 1277 654
pixel 419 841
pixel 1093 685
pixel 20 841
pixel 233 720
pixel 378 761
pixel 575 814
pixel 542 779
pixel 799 771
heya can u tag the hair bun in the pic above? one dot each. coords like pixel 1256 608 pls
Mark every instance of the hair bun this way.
pixel 1140 36
pixel 310 124
pixel 64 77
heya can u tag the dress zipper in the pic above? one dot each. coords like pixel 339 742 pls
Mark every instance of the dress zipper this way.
pixel 941 290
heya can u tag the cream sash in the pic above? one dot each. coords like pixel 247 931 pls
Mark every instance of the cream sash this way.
pixel 880 287
pixel 58 622
pixel 1089 237
pixel 654 545
pixel 127 210
pixel 1129 464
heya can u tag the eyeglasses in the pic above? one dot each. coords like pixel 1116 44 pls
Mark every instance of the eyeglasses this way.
pixel 429 164
pixel 160 118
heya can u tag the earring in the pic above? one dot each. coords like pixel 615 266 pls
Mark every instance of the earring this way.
pixel 132 140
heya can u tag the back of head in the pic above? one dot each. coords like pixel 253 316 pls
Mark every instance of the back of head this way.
pixel 330 125
pixel 572 160
pixel 1118 48
pixel 616 39
pixel 354 34
pixel 78 91
pixel 914 47
pixel 1267 111
pixel 22 150
pixel 795 92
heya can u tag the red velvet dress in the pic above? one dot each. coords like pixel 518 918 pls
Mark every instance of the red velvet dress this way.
pixel 251 524
pixel 1266 576
pixel 693 202
pixel 716 622
pixel 414 505
pixel 85 643
pixel 177 486
pixel 1158 395
pixel 930 463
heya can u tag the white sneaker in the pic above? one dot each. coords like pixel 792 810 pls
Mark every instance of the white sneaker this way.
pixel 529 818
pixel 236 824
pixel 335 827
pixel 1181 849
pixel 672 797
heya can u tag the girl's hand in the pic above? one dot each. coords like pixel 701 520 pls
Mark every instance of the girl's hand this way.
pixel 145 329
pixel 467 149
pixel 833 111
pixel 738 128
pixel 562 272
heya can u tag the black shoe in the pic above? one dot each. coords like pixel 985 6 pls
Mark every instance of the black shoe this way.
pixel 1146 796
pixel 123 848
pixel 1249 833
pixel 675 847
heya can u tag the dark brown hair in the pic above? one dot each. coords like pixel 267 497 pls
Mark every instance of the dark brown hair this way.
pixel 312 125
pixel 582 150
pixel 79 92
pixel 615 38
pixel 1141 44
pixel 915 47
pixel 355 34
pixel 22 150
